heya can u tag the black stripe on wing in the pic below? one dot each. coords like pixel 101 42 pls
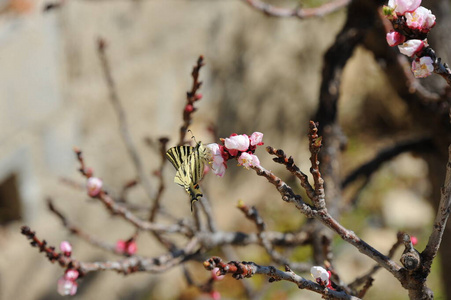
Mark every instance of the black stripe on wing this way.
pixel 177 155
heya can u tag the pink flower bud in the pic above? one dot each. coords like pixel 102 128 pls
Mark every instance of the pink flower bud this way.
pixel 215 274
pixel 66 248
pixel 120 246
pixel 411 47
pixel 198 96
pixel 131 247
pixel 248 160
pixel 215 295
pixel 256 138
pixel 126 247
pixel 414 240
pixel 237 142
pixel 422 67
pixel 395 38
pixel 71 274
pixel 94 186
pixel 189 108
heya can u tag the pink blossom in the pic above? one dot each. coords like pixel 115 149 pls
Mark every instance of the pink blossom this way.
pixel 218 162
pixel 320 274
pixel 422 67
pixel 215 276
pixel 421 19
pixel 248 160
pixel 403 6
pixel 66 287
pixel 67 284
pixel 94 186
pixel 414 240
pixel 395 38
pixel 237 142
pixel 66 248
pixel 215 295
pixel 256 138
pixel 411 47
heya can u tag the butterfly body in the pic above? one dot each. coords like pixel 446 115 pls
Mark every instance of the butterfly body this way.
pixel 189 163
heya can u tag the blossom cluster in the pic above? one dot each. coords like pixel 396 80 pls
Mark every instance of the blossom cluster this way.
pixel 67 284
pixel 240 147
pixel 412 23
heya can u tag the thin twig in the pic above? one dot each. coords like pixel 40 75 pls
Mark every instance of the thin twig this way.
pixel 123 126
pixel 324 217
pixel 368 276
pixel 252 214
pixel 118 209
pixel 241 270
pixel 79 232
pixel 421 144
pixel 156 204
pixel 191 97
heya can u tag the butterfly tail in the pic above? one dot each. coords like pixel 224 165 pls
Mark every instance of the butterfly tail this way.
pixel 195 194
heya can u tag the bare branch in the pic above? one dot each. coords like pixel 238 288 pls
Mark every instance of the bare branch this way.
pixel 440 220
pixel 241 270
pixel 191 97
pixel 123 126
pixel 79 232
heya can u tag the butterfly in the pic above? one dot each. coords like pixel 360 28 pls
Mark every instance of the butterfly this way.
pixel 189 163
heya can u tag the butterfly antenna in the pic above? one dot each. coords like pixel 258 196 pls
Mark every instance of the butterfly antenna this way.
pixel 192 135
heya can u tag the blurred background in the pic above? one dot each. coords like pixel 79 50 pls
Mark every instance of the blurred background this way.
pixel 261 74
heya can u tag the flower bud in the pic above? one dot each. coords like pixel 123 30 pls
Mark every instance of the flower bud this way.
pixel 394 38
pixel 237 142
pixel 94 186
pixel 66 248
pixel 411 47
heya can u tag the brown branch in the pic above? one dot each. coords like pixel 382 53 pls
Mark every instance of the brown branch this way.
pixel 191 98
pixel 285 190
pixel 241 270
pixel 367 278
pixel 300 13
pixel 324 217
pixel 441 218
pixel 314 147
pixel 421 144
pixel 291 166
pixel 252 214
pixel 140 264
pixel 49 251
pixel 118 209
pixel 156 204
pixel 123 126
pixel 126 266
